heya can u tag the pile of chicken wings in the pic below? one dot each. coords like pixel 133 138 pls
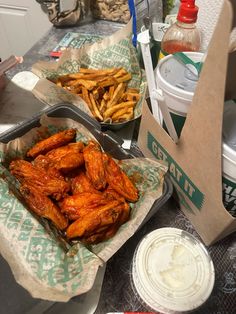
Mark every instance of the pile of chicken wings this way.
pixel 76 185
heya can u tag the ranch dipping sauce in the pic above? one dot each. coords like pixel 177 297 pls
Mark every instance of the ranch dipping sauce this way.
pixel 172 272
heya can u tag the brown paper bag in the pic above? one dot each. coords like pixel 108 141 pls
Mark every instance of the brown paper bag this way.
pixel 195 162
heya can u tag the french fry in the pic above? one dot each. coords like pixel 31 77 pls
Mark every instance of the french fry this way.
pixel 86 98
pixel 119 113
pixel 126 116
pixel 95 108
pixel 88 84
pixel 111 91
pixel 106 96
pixel 103 106
pixel 132 96
pixel 117 95
pixel 107 82
pixel 132 90
pixel 124 78
pixel 110 111
pixel 105 91
pixel 120 73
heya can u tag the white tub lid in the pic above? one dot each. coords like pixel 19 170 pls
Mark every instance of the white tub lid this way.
pixel 172 271
pixel 173 77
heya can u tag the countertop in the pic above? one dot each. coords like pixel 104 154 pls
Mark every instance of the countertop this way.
pixel 117 294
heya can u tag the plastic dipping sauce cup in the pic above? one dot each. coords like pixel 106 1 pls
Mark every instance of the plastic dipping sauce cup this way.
pixel 172 271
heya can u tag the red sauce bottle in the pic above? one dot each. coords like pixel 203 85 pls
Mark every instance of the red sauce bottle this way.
pixel 183 35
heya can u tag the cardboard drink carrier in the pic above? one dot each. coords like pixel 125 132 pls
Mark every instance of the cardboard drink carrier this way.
pixel 195 161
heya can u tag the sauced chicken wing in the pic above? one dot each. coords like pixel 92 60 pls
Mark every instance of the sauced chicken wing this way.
pixel 81 183
pixel 107 232
pixel 44 162
pixel 55 155
pixel 67 158
pixel 43 206
pixel 118 180
pixel 79 205
pixel 94 165
pixel 70 162
pixel 25 172
pixel 54 141
pixel 102 217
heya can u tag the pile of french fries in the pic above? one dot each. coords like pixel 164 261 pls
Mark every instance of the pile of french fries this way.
pixel 105 92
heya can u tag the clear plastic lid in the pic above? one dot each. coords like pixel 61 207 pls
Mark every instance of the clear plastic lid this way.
pixel 172 271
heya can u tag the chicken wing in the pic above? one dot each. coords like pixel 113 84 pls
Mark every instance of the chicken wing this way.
pixel 27 173
pixel 94 165
pixel 81 183
pixel 56 154
pixel 109 231
pixel 54 141
pixel 43 162
pixel 102 217
pixel 43 206
pixel 79 205
pixel 118 180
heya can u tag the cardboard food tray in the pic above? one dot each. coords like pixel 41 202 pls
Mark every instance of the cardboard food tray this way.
pixel 195 161
pixel 108 140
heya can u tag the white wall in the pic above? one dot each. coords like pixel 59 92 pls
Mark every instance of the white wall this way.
pixel 209 11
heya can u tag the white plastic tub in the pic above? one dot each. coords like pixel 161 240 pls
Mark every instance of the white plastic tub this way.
pixel 172 271
pixel 177 85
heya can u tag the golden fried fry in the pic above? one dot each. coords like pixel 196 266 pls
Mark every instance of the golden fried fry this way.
pixel 108 82
pixel 121 115
pixel 124 78
pixel 103 89
pixel 95 108
pixel 120 73
pixel 117 95
pixel 87 84
pixel 110 111
pixel 86 98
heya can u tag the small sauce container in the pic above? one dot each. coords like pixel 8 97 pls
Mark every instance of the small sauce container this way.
pixel 172 271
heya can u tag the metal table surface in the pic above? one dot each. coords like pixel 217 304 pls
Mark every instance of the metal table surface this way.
pixel 117 294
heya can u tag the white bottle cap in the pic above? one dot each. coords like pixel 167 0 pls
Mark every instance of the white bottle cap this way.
pixel 172 271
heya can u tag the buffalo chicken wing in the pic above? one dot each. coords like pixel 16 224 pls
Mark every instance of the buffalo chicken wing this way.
pixel 94 165
pixel 81 183
pixel 118 180
pixel 28 174
pixel 40 204
pixel 81 189
pixel 54 141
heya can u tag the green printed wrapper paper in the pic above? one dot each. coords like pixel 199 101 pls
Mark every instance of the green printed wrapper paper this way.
pixel 113 51
pixel 37 260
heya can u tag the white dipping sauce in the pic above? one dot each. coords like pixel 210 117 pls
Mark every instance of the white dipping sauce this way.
pixel 172 271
